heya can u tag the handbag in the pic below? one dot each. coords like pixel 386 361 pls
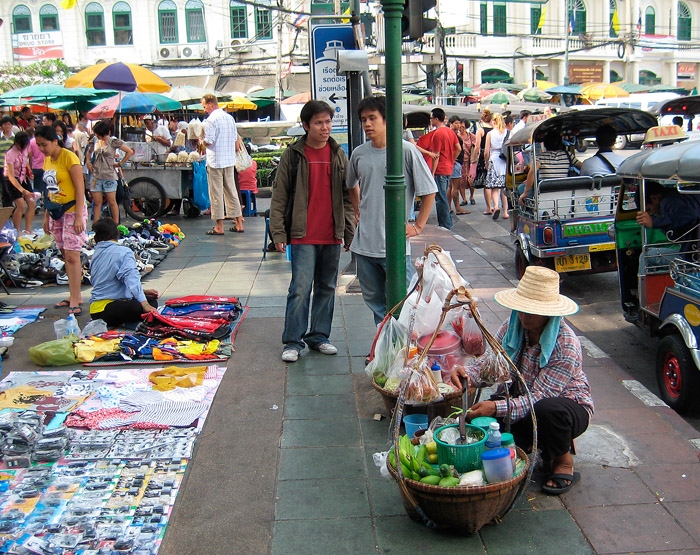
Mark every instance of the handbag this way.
pixel 503 156
pixel 243 160
pixel 481 173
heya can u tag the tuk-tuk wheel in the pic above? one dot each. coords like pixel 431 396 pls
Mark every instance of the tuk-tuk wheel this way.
pixel 520 262
pixel 676 373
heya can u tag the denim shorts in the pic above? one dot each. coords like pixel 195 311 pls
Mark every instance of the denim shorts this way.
pixel 104 186
pixel 456 171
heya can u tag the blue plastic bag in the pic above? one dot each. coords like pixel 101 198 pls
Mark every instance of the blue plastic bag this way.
pixel 200 185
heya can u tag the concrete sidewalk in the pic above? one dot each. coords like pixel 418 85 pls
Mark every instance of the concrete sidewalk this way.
pixel 284 464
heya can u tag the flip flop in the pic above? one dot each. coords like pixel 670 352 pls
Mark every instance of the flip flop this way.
pixel 464 212
pixel 472 201
pixel 75 310
pixel 212 231
pixel 560 481
pixel 487 213
pixel 496 213
pixel 236 230
pixel 65 303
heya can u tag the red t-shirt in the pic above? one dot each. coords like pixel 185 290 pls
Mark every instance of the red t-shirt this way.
pixel 425 142
pixel 320 225
pixel 444 141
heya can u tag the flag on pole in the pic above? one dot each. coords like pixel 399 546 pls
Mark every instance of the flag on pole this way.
pixel 572 21
pixel 300 20
pixel 540 24
pixel 639 22
pixel 347 12
pixel 68 4
pixel 615 21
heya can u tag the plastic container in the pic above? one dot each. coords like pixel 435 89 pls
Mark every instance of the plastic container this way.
pixel 7 341
pixel 493 436
pixel 497 465
pixel 507 440
pixel 483 422
pixel 446 342
pixel 465 458
pixel 415 422
pixel 437 372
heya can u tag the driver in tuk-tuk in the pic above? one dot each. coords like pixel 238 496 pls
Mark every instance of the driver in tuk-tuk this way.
pixel 554 163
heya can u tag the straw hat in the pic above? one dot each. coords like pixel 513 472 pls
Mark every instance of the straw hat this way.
pixel 537 293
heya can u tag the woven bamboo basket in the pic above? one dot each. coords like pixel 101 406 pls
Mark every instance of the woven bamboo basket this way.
pixel 463 509
pixel 442 408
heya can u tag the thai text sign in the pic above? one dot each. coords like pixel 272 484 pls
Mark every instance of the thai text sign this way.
pixel 30 47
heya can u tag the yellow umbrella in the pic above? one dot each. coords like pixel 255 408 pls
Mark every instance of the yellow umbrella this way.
pixel 596 91
pixel 238 103
pixel 542 85
pixel 118 76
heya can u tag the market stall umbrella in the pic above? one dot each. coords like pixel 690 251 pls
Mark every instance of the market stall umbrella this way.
pixel 533 94
pixel 633 87
pixel 500 97
pixel 510 87
pixel 301 98
pixel 269 94
pixel 47 92
pixel 565 89
pixel 134 103
pixel 238 103
pixel 187 93
pixel 668 88
pixel 118 76
pixel 543 85
pixel 596 91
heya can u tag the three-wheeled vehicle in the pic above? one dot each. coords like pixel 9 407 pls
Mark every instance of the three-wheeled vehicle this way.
pixel 564 225
pixel 659 269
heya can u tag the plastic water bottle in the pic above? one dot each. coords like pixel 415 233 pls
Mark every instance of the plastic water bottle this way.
pixel 493 438
pixel 73 327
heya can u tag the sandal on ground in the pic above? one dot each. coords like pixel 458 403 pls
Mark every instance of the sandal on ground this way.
pixel 212 231
pixel 496 213
pixel 236 230
pixel 472 201
pixel 65 303
pixel 75 310
pixel 487 213
pixel 464 212
pixel 561 483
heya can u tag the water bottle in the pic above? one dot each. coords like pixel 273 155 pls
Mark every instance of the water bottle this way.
pixel 493 438
pixel 75 329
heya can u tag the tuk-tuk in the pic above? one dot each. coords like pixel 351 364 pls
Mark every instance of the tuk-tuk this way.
pixel 565 224
pixel 659 269
pixel 663 135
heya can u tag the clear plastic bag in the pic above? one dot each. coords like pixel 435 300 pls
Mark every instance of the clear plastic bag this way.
pixel 390 340
pixel 422 388
pixel 493 368
pixel 93 327
pixel 466 327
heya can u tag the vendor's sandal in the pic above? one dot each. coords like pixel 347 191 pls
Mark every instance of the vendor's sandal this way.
pixel 212 231
pixel 65 303
pixel 75 310
pixel 561 483
pixel 236 230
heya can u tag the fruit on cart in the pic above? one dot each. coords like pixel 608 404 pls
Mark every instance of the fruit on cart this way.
pixel 445 471
pixel 431 447
pixel 433 458
pixel 449 482
pixel 379 377
pixel 431 480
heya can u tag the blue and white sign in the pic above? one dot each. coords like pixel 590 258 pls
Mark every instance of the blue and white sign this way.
pixel 327 85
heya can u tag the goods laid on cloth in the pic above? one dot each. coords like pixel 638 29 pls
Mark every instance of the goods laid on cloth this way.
pixel 94 460
pixel 13 319
pixel 40 262
pixel 455 493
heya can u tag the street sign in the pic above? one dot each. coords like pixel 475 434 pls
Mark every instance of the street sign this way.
pixel 326 84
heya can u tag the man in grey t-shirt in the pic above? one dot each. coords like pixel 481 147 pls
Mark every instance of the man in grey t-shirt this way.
pixel 366 174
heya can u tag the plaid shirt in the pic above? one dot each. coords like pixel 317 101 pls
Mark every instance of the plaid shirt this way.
pixel 220 135
pixel 563 376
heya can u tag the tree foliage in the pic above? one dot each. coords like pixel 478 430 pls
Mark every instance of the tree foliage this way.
pixel 46 71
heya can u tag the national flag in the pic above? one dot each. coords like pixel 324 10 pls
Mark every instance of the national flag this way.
pixel 300 20
pixel 346 12
pixel 287 71
pixel 572 21
pixel 615 22
pixel 69 4
pixel 542 15
pixel 639 22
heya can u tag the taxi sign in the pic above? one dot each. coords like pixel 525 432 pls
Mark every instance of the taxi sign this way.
pixel 664 133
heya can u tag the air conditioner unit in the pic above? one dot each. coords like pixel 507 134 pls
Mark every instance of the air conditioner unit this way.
pixel 240 46
pixel 191 52
pixel 168 53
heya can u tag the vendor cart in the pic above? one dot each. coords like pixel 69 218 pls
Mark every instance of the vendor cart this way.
pixel 149 185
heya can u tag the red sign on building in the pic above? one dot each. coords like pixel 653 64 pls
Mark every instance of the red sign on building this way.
pixel 31 47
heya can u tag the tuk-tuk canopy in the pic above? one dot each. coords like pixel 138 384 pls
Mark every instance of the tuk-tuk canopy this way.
pixel 680 161
pixel 584 123
pixel 685 105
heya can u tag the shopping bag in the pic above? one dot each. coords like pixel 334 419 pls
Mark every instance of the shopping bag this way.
pixel 58 352
pixel 243 160
pixel 200 185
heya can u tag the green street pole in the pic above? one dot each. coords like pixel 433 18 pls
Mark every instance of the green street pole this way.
pixel 395 186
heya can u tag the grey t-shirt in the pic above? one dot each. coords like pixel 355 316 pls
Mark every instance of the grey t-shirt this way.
pixel 367 169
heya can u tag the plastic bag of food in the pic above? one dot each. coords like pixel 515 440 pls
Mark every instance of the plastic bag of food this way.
pixel 466 327
pixel 493 368
pixel 422 388
pixel 58 352
pixel 395 373
pixel 388 344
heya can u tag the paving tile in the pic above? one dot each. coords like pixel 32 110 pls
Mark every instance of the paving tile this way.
pixel 604 486
pixel 299 383
pixel 321 537
pixel 328 407
pixel 640 420
pixel 361 347
pixel 688 514
pixel 553 532
pixel 374 432
pixel 399 534
pixel 358 364
pixel 267 301
pixel 533 499
pixel 384 496
pixel 672 482
pixel 321 433
pixel 631 528
pixel 311 365
pixel 331 498
pixel 661 448
pixel 320 463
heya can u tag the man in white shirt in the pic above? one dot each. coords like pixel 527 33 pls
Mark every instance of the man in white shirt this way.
pixel 222 142
pixel 160 136
pixel 522 123
pixel 605 161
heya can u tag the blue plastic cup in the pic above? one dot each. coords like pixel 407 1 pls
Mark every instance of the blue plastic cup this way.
pixel 415 422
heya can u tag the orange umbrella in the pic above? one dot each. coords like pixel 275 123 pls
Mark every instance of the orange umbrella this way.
pixel 301 98
pixel 596 91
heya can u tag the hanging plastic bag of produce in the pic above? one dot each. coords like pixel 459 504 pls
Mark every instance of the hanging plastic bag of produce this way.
pixel 388 344
pixel 466 327
pixel 422 388
pixel 493 368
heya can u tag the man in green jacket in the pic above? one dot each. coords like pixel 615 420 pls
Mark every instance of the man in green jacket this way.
pixel 311 211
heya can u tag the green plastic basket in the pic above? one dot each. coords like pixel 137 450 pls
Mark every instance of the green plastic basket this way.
pixel 465 458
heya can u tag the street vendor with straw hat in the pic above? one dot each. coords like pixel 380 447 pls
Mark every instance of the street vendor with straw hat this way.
pixel 548 355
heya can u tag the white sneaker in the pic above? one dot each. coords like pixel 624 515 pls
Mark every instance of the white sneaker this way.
pixel 290 355
pixel 327 349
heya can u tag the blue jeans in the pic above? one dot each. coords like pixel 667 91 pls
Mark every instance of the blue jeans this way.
pixel 313 266
pixel 39 184
pixel 371 272
pixel 441 205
